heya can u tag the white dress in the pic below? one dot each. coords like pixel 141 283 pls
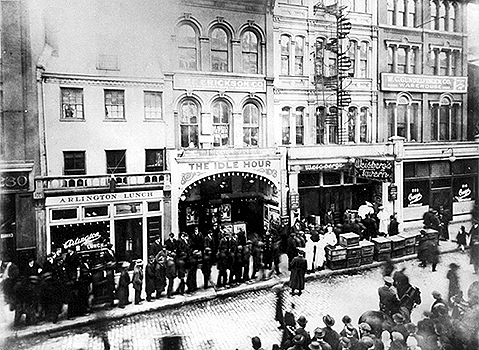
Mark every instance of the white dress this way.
pixel 383 221
pixel 309 252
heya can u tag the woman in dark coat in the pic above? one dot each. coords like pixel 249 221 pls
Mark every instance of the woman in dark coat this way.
pixel 150 285
pixel 298 271
pixel 122 291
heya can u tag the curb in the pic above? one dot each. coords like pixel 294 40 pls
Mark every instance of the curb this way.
pixel 102 316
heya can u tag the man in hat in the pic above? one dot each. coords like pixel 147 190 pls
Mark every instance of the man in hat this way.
pixel 453 277
pixel 150 277
pixel 330 335
pixel 399 325
pixel 170 272
pixel 315 346
pixel 388 298
pixel 256 343
pixel 123 283
pixel 319 339
pixel 302 321
pixel 298 268
pixel 138 280
pixel 349 331
pixel 439 307
pixel 298 343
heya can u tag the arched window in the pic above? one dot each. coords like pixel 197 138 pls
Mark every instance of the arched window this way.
pixel 219 50
pixel 445 118
pixel 411 13
pixel 403 119
pixel 189 120
pixel 401 12
pixel 188 47
pixel 249 52
pixel 300 126
pixel 452 17
pixel 390 16
pixel 285 52
pixel 434 15
pixel 250 125
pixel 299 55
pixel 286 125
pixel 221 123
pixel 320 124
pixel 442 15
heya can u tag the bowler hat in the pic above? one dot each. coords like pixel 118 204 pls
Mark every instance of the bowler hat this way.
pixel 398 318
pixel 298 339
pixel 314 346
pixel 388 279
pixel 302 321
pixel 328 320
pixel 125 264
pixel 319 333
pixel 365 327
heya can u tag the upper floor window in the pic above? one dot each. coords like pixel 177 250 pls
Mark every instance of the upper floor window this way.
pixel 402 58
pixel 153 105
pixel 154 160
pixel 443 15
pixel 359 6
pixel 285 53
pixel 219 50
pixel 250 52
pixel 299 55
pixel 391 17
pixel 446 116
pixel 286 125
pixel 116 161
pixel 403 119
pixel 434 15
pixel 72 103
pixel 452 17
pixel 74 163
pixel 363 60
pixel 115 104
pixel 221 123
pixel 352 50
pixel 446 61
pixel 189 122
pixel 358 124
pixel 299 125
pixel 188 47
pixel 326 125
pixel 401 12
pixel 250 125
pixel 320 124
pixel 411 13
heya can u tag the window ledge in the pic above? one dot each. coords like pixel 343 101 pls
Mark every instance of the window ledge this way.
pixel 73 120
pixel 154 120
pixel 122 120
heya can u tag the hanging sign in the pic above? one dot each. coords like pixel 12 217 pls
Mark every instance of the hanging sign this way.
pixel 392 192
pixel 374 169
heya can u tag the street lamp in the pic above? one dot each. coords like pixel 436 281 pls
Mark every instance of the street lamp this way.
pixel 452 157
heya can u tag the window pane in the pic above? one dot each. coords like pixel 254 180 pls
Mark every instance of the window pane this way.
pixel 363 59
pixel 154 160
pixel 401 60
pixel 300 126
pixel 444 123
pixel 401 120
pixel 221 119
pixel 74 163
pixel 285 117
pixel 189 124
pixel 299 55
pixel 72 103
pixel 153 105
pixel 363 124
pixel 411 13
pixel 285 52
pixel 187 47
pixel 115 162
pixel 114 104
pixel 249 47
pixel 352 115
pixel 390 59
pixel 320 124
pixel 443 64
pixel 434 122
pixel 414 123
pixel 219 50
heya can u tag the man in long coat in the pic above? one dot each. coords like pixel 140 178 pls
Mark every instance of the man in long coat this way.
pixel 150 277
pixel 388 298
pixel 122 290
pixel 298 266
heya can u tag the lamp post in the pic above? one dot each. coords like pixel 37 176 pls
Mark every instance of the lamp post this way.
pixel 396 188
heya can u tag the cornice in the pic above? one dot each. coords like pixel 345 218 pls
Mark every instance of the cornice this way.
pixel 83 79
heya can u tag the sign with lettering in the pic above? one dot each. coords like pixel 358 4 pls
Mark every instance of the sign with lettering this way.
pixel 84 240
pixel 427 83
pixel 102 197
pixel 392 192
pixel 219 83
pixel 464 193
pixel 414 198
pixel 374 169
pixel 321 167
pixel 14 181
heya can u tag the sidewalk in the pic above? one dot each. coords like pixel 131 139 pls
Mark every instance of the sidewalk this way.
pixel 6 320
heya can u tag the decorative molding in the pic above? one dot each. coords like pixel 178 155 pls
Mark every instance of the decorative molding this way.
pixel 65 79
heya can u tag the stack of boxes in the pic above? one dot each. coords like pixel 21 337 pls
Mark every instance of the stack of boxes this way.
pixel 382 248
pixel 398 245
pixel 350 241
pixel 367 252
pixel 336 257
pixel 411 241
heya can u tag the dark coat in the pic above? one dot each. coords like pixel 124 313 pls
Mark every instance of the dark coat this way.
pixel 170 268
pixel 298 266
pixel 122 290
pixel 137 278
pixel 160 275
pixel 388 300
pixel 331 337
pixel 150 278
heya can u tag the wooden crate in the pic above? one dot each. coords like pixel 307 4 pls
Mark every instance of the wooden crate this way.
pixel 410 250
pixel 353 252
pixel 353 262
pixel 431 234
pixel 335 253
pixel 397 242
pixel 398 253
pixel 381 244
pixel 410 238
pixel 337 264
pixel 367 248
pixel 349 239
pixel 383 256
pixel 367 259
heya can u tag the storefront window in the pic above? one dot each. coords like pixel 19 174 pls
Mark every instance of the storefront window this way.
pixel 464 188
pixel 128 208
pixel 331 178
pixel 416 193
pixel 95 211
pixel 83 236
pixel 64 214
pixel 308 179
pixel 154 206
pixel 440 169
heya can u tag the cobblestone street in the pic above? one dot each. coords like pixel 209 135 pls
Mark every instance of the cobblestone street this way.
pixel 230 323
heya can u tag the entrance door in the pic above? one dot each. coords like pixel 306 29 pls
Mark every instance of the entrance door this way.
pixel 128 239
pixel 441 197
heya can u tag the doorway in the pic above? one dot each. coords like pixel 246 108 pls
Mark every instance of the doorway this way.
pixel 441 197
pixel 128 239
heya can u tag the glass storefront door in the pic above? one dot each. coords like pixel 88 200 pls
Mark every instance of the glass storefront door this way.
pixel 128 239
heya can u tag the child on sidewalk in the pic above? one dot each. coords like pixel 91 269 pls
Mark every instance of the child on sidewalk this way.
pixel 461 238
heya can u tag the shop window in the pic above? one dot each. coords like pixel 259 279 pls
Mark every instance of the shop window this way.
pixel 468 166
pixel 153 229
pixel 250 125
pixel 299 125
pixel 153 105
pixel 64 214
pixel 155 160
pixel 188 47
pixel 116 162
pixel 416 193
pixel 114 104
pixel 72 103
pixel 299 56
pixel 409 170
pixel 74 163
pixel 330 178
pixel 221 123
pixel 219 50
pixel 439 169
pixel 285 52
pixel 464 188
pixel 189 121
pixel 154 206
pixel 422 169
pixel 92 212
pixel 308 179
pixel 286 125
pixel 128 208
pixel 250 52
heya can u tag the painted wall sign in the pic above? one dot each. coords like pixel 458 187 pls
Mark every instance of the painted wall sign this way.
pixel 102 197
pixel 321 167
pixel 219 83
pixel 426 83
pixel 375 169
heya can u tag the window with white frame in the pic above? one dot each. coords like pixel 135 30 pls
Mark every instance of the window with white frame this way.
pixel 391 18
pixel 401 12
pixel 320 125
pixel 285 54
pixel 364 122
pixel 402 58
pixel 219 50
pixel 358 124
pixel 363 59
pixel 221 123
pixel 286 125
pixel 299 55
pixel 153 104
pixel 251 117
pixel 446 119
pixel 299 118
pixel 352 116
pixel 250 52
pixel 114 104
pixel 189 123
pixel 187 39
pixel 444 15
pixel 332 125
pixel 72 103
pixel 359 6
pixel 403 118
pixel 446 61
pixel 411 13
